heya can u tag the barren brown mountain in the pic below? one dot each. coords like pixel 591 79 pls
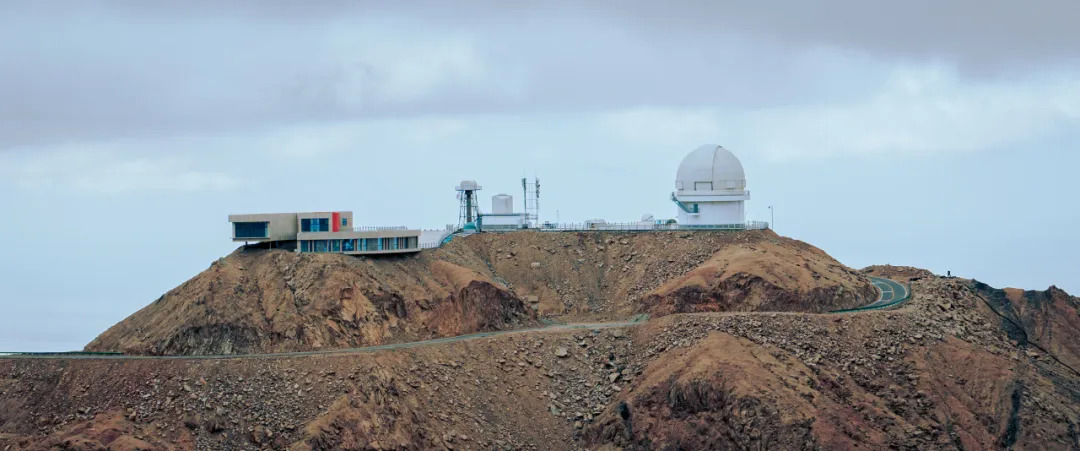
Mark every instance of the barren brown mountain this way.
pixel 959 366
pixel 277 301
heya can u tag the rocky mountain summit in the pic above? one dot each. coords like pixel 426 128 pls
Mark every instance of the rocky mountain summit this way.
pixel 721 364
pixel 940 372
pixel 260 301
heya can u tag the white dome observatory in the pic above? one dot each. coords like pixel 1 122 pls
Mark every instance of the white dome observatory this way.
pixel 710 188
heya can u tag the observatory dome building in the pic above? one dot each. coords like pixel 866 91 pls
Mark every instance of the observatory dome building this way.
pixel 710 188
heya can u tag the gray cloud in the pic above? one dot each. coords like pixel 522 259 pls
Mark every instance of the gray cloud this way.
pixel 980 35
pixel 102 70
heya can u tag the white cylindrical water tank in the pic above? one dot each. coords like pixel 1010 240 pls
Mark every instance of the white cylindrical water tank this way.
pixel 502 204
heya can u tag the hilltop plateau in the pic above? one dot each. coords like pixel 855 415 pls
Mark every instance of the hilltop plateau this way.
pixel 260 301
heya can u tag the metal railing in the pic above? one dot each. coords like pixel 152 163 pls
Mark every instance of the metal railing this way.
pixel 58 353
pixel 378 228
pixel 605 226
pixel 644 227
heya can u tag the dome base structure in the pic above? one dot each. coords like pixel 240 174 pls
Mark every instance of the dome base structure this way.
pixel 710 188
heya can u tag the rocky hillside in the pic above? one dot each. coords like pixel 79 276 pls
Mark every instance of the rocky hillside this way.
pixel 942 372
pixel 262 301
pixel 258 301
pixel 666 272
pixel 1047 320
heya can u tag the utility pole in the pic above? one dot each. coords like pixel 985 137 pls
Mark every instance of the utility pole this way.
pixel 772 218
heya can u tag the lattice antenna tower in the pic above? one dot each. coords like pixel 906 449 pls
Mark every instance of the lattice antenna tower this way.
pixel 469 209
pixel 532 201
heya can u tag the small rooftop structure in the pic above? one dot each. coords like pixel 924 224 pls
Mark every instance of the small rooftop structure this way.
pixel 502 216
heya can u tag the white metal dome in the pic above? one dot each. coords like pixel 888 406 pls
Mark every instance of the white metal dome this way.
pixel 710 168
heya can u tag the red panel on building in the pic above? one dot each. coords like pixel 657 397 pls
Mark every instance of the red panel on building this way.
pixel 337 222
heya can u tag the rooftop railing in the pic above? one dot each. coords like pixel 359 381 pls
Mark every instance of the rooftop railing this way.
pixel 642 227
pixel 613 226
pixel 378 228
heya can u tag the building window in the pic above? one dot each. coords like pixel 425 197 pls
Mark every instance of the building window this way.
pixel 319 246
pixel 335 245
pixel 315 225
pixel 348 245
pixel 344 221
pixel 250 229
pixel 305 246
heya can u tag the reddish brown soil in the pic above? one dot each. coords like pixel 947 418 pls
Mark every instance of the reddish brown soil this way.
pixel 480 394
pixel 606 274
pixel 1047 320
pixel 959 366
pixel 940 373
pixel 898 273
pixel 260 301
pixel 775 274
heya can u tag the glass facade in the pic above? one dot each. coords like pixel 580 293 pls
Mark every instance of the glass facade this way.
pixel 358 245
pixel 250 229
pixel 315 225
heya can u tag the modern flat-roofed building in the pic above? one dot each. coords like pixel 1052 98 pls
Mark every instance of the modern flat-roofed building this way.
pixel 332 232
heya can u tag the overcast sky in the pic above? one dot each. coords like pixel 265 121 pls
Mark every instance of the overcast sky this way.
pixel 938 134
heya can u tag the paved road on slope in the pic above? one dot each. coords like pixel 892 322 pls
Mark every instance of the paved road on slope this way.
pixel 890 291
pixel 636 320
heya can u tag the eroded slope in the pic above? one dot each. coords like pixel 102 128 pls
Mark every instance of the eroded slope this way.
pixel 667 272
pixel 263 301
pixel 942 372
pixel 258 301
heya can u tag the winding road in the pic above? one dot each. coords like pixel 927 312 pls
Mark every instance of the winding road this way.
pixel 890 292
pixel 638 319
